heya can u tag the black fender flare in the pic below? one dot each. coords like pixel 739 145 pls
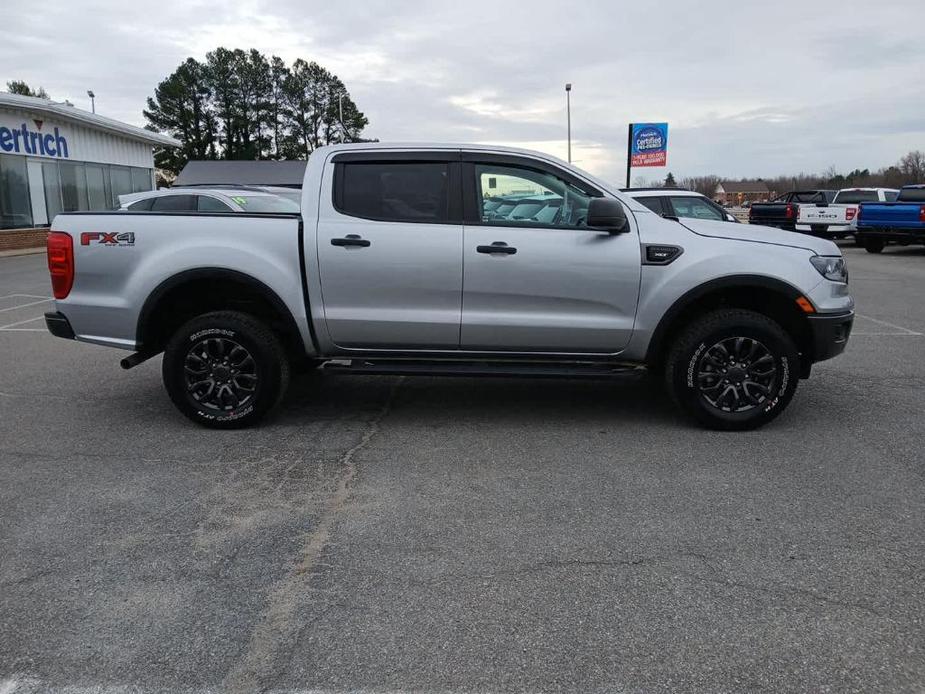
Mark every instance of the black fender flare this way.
pixel 676 310
pixel 142 329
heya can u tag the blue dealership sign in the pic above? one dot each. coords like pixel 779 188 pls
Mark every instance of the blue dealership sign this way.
pixel 649 144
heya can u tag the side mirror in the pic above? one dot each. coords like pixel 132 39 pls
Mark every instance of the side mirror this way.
pixel 607 214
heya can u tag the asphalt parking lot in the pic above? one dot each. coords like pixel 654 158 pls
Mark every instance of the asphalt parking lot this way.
pixel 461 535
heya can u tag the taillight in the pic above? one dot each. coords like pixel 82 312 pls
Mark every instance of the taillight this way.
pixel 789 213
pixel 922 213
pixel 61 263
pixel 849 213
pixel 860 209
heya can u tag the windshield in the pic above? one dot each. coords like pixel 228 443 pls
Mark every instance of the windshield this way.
pixel 265 204
pixel 849 197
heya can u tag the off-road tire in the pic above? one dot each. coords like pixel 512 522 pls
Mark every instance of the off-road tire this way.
pixel 684 366
pixel 265 381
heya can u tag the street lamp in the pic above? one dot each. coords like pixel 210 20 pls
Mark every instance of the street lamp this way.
pixel 568 111
pixel 92 100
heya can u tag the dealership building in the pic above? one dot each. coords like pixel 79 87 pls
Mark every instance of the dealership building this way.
pixel 55 158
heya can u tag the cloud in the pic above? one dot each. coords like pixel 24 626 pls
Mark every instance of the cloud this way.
pixel 750 89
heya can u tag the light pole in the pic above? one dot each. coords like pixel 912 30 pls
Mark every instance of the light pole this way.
pixel 568 115
pixel 340 109
pixel 92 100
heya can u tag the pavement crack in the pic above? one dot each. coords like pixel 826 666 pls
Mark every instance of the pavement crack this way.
pixel 276 628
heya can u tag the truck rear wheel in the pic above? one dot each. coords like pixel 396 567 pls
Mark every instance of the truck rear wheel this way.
pixel 225 370
pixel 874 245
pixel 733 369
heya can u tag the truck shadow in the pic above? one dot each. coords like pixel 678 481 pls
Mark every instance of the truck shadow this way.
pixel 441 401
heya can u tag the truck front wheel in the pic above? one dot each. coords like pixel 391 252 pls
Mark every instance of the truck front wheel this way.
pixel 733 369
pixel 225 370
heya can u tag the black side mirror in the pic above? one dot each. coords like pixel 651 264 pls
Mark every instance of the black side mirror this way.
pixel 607 214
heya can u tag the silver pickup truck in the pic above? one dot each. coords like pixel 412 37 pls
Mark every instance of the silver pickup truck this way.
pixel 401 263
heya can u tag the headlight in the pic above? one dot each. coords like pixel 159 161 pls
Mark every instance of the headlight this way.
pixel 831 267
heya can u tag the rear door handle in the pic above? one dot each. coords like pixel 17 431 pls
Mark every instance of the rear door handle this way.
pixel 350 240
pixel 497 247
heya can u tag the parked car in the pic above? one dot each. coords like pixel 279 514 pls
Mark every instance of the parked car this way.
pixel 782 211
pixel 901 221
pixel 677 202
pixel 393 267
pixel 838 219
pixel 197 199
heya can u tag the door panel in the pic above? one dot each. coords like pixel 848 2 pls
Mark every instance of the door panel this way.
pixel 391 284
pixel 564 290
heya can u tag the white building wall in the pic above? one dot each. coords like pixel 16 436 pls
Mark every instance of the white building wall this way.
pixel 83 143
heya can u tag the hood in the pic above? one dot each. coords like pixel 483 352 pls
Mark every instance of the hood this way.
pixel 760 234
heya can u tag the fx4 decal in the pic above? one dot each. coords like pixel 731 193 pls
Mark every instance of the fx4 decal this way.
pixel 107 238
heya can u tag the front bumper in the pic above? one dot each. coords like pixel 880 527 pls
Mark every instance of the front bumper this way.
pixel 58 325
pixel 830 333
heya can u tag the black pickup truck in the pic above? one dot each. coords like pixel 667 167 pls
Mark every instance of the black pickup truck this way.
pixel 783 210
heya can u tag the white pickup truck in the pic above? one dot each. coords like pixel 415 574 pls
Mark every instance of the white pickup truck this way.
pixel 838 219
pixel 399 263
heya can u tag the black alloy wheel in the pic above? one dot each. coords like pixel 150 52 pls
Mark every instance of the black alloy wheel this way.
pixel 737 374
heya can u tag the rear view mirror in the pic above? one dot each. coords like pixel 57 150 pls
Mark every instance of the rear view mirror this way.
pixel 607 214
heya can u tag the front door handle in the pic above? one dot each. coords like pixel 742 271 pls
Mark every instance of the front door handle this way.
pixel 497 247
pixel 350 240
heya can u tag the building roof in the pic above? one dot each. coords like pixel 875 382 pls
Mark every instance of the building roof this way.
pixel 65 112
pixel 744 187
pixel 253 173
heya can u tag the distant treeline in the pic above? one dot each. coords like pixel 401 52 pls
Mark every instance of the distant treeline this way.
pixel 242 105
pixel 909 169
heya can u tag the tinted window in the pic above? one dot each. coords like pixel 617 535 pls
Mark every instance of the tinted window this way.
pixel 393 191
pixel 848 197
pixel 533 198
pixel 121 183
pixel 142 205
pixel 694 208
pixel 912 195
pixel 15 207
pixel 654 203
pixel 174 203
pixel 890 195
pixel 207 204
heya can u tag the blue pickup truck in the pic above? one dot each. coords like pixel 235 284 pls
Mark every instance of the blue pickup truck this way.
pixel 903 221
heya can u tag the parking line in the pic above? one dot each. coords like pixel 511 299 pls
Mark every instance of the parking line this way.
pixel 31 303
pixel 27 296
pixel 22 322
pixel 905 331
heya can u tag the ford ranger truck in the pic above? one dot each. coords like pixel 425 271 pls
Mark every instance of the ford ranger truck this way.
pixel 838 219
pixel 902 221
pixel 393 266
pixel 782 211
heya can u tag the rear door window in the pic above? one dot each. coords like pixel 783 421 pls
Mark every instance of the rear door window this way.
pixel 393 191
pixel 654 203
pixel 174 203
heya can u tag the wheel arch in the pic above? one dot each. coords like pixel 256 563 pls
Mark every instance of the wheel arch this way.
pixel 767 295
pixel 200 290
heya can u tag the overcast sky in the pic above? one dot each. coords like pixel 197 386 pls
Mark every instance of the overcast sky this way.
pixel 748 88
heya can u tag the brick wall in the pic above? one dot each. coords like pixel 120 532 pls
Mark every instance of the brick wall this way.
pixel 18 239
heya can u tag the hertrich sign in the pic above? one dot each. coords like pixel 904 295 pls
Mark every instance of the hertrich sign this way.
pixel 23 140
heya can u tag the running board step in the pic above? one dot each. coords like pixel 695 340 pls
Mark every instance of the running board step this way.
pixel 506 369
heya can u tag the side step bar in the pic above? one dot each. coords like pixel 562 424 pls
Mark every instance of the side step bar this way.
pixel 362 367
